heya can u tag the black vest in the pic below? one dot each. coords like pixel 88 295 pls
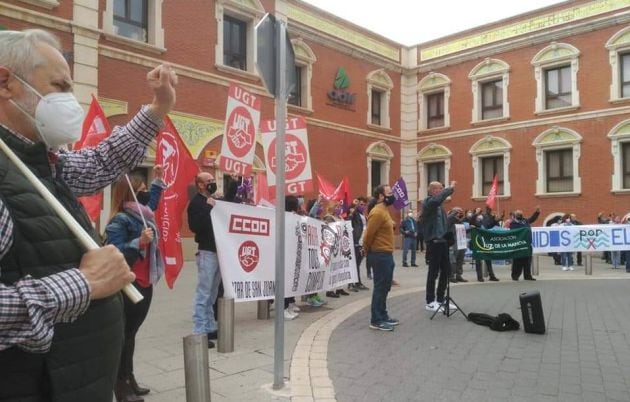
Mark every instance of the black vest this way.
pixel 82 362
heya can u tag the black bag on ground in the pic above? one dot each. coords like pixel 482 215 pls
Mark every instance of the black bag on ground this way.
pixel 531 308
pixel 502 322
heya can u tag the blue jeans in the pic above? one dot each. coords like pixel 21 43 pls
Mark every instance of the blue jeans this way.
pixel 627 254
pixel 209 278
pixel 567 259
pixel 383 272
pixel 409 243
pixel 616 258
pixel 439 264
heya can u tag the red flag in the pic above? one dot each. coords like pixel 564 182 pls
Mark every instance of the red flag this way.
pixel 262 190
pixel 179 170
pixel 491 201
pixel 325 188
pixel 342 193
pixel 95 129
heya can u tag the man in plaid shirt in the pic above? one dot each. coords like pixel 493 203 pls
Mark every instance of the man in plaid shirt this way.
pixel 33 73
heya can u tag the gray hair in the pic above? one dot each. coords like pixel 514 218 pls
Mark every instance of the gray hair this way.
pixel 18 50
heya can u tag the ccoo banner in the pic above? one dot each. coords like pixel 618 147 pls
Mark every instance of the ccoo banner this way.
pixel 297 162
pixel 239 137
pixel 318 256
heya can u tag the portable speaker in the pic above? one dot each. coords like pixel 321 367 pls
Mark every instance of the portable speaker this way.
pixel 531 308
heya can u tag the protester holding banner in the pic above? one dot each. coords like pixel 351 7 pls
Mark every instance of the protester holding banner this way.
pixel 43 359
pixel 435 235
pixel 332 214
pixel 523 264
pixel 378 245
pixel 139 244
pixel 208 273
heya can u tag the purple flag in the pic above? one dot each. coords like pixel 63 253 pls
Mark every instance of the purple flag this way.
pixel 400 193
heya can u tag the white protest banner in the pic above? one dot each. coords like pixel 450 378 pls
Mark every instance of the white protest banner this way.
pixel 460 237
pixel 318 256
pixel 557 239
pixel 239 137
pixel 297 163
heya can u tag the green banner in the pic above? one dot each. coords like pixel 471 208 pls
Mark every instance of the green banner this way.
pixel 501 244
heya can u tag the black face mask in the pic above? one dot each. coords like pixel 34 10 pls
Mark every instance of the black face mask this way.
pixel 389 199
pixel 143 197
pixel 211 188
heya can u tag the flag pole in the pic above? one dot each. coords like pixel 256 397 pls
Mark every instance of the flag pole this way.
pixel 84 238
pixel 133 193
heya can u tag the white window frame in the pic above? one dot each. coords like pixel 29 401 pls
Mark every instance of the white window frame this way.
pixel 431 84
pixel 487 71
pixel 155 31
pixel 381 152
pixel 304 58
pixel 557 138
pixel 617 44
pixel 432 153
pixel 619 135
pixel 250 12
pixel 553 56
pixel 379 81
pixel 490 146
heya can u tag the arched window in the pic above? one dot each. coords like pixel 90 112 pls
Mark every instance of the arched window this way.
pixel 434 164
pixel 490 157
pixel 620 148
pixel 236 48
pixel 379 158
pixel 434 92
pixel 301 95
pixel 379 91
pixel 555 70
pixel 619 56
pixel 558 157
pixel 490 80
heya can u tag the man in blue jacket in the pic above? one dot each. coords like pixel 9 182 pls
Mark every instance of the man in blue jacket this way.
pixel 409 232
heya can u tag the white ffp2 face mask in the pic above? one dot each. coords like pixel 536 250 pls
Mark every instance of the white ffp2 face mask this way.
pixel 58 117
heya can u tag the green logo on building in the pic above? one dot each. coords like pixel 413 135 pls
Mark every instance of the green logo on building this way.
pixel 342 81
pixel 339 95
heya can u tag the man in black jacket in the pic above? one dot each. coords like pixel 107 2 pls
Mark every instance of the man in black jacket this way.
pixel 523 264
pixel 208 273
pixel 357 217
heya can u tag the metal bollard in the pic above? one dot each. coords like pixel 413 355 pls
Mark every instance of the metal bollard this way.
pixel 588 264
pixel 226 326
pixel 535 264
pixel 196 372
pixel 263 310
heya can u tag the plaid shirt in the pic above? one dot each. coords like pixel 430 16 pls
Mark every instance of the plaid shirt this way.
pixel 30 308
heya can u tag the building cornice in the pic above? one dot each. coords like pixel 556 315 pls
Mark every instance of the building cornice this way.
pixel 321 38
pixel 525 41
pixel 35 17
pixel 352 130
pixel 557 120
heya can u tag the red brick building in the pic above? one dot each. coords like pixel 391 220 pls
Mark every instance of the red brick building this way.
pixel 541 99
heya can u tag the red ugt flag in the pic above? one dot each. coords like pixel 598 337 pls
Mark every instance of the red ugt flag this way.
pixel 179 170
pixel 491 201
pixel 95 129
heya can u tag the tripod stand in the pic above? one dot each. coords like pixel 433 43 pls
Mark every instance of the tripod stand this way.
pixel 445 305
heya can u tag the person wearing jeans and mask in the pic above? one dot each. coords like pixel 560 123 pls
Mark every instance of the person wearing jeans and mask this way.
pixel 139 245
pixel 435 230
pixel 378 245
pixel 208 274
pixel 409 232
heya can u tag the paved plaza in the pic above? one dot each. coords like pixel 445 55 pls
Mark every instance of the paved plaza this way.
pixel 331 354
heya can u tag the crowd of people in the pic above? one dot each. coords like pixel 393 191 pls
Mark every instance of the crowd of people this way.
pixel 62 309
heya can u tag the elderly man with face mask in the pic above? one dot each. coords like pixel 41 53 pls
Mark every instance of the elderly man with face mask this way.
pixel 61 322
